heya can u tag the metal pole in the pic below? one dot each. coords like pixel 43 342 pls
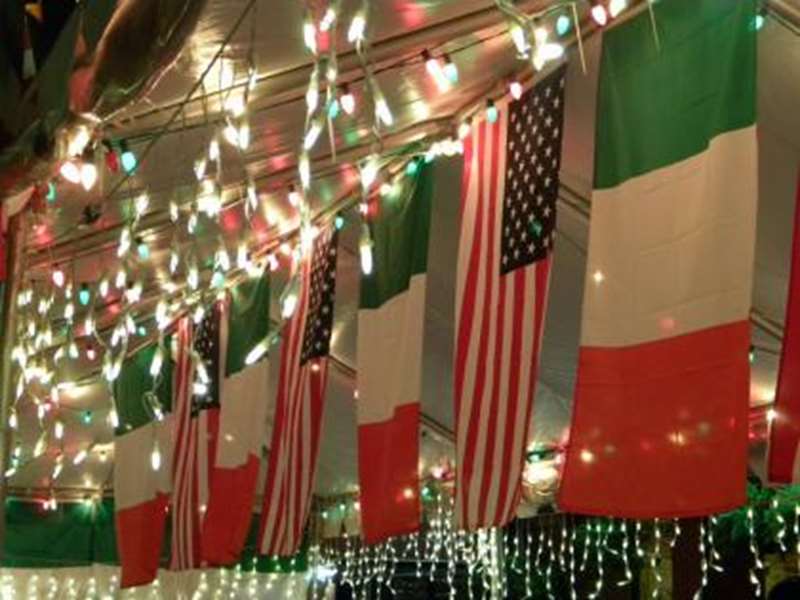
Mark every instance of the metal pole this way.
pixel 15 255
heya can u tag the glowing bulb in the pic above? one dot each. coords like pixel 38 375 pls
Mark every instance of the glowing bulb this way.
pixel 290 298
pixel 128 158
pixel 365 250
pixel 58 430
pixel 312 135
pixel 304 168
pixel 157 362
pixel 327 19
pixel 599 14
pixel 213 149
pixel 347 100
pixel 244 136
pixel 355 33
pixel 200 168
pixel 615 7
pixel 310 36
pixel 294 197
pixel 256 353
pixel 88 175
pixel 519 39
pixel 84 295
pixel 563 25
pixel 382 112
pixel 70 171
pixel 434 69
pixel 59 278
pixel 515 88
pixel 140 205
pixel 80 457
pixel 369 172
pixel 155 457
pixel 492 113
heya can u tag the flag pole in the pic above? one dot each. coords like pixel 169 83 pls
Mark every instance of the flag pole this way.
pixel 14 266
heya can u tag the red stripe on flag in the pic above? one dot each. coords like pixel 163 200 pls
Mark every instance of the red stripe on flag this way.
pixel 492 318
pixel 386 472
pixel 542 284
pixel 660 429
pixel 465 464
pixel 517 281
pixel 224 529
pixel 784 437
pixel 139 554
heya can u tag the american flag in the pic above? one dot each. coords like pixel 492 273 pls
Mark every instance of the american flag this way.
pixel 197 423
pixel 509 191
pixel 299 404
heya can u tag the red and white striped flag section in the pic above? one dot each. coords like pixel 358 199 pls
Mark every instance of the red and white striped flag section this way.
pixel 299 404
pixel 242 422
pixel 659 424
pixel 142 476
pixel 196 410
pixel 391 320
pixel 784 439
pixel 509 192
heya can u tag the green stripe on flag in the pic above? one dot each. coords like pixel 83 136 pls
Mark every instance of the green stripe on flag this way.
pixel 248 322
pixel 134 382
pixel 400 235
pixel 647 117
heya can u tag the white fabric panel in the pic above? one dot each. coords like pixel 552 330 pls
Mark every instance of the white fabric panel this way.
pixel 671 251
pixel 389 354
pixel 135 481
pixel 243 414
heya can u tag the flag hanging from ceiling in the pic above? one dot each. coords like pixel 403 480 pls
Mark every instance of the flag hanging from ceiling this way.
pixel 391 319
pixel 195 433
pixel 298 408
pixel 243 406
pixel 509 192
pixel 662 388
pixel 141 492
pixel 784 440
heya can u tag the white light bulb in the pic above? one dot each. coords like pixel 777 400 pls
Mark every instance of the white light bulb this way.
pixel 155 457
pixel 157 362
pixel 355 33
pixel 310 36
pixel 80 457
pixel 312 135
pixel 348 102
pixel 365 250
pixel 88 175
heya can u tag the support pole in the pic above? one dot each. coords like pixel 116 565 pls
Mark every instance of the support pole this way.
pixel 15 255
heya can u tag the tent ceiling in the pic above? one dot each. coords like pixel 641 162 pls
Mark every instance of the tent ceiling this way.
pixel 401 29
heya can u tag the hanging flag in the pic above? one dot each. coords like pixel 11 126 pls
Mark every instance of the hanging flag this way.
pixel 509 192
pixel 784 439
pixel 141 492
pixel 298 407
pixel 243 407
pixel 659 425
pixel 196 427
pixel 391 318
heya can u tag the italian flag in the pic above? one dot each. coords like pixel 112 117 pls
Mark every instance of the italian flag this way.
pixel 243 407
pixel 659 427
pixel 141 493
pixel 391 316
